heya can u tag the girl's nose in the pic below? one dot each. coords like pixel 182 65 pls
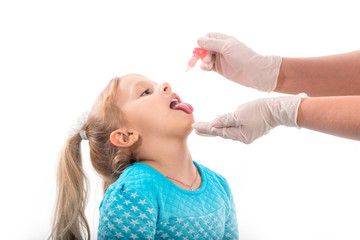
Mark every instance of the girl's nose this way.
pixel 165 88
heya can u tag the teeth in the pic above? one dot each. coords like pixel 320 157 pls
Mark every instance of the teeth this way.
pixel 173 102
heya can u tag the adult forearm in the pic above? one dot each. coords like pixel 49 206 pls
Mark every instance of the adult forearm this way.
pixel 334 75
pixel 339 116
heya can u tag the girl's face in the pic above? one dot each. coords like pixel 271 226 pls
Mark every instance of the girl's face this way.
pixel 152 109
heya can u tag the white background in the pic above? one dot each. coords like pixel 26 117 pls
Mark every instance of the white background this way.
pixel 56 57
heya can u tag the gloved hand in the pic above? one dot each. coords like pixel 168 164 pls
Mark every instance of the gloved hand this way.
pixel 253 119
pixel 235 61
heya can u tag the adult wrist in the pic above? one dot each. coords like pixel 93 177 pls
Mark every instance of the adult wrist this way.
pixel 276 72
pixel 285 109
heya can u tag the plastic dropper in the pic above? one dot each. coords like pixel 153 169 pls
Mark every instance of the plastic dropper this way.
pixel 198 53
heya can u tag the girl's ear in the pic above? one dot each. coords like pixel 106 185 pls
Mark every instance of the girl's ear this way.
pixel 123 138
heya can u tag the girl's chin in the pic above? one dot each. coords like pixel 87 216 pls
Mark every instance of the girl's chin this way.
pixel 189 128
pixel 186 128
pixel 189 121
pixel 181 124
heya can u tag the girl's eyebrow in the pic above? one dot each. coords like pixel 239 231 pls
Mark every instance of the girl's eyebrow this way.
pixel 142 83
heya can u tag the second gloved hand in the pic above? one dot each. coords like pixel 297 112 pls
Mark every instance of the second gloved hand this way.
pixel 253 119
pixel 235 61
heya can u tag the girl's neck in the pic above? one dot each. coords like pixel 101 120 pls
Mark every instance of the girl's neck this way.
pixel 169 157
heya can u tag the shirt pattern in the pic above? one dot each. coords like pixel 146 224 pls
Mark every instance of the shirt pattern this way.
pixel 143 204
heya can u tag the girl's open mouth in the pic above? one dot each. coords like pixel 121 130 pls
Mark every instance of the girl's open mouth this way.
pixel 176 104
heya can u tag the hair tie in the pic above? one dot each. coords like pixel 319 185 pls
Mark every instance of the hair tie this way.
pixel 83 135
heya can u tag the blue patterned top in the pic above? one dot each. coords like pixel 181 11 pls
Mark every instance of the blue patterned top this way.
pixel 144 204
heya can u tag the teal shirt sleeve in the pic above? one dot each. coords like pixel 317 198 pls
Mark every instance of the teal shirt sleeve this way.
pixel 127 214
pixel 231 225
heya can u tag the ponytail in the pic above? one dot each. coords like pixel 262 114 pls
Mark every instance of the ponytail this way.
pixel 69 219
pixel 108 160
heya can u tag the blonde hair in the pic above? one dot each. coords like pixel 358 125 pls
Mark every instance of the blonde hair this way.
pixel 108 160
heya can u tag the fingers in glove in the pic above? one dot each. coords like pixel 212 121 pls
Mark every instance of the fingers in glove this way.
pixel 207 64
pixel 203 134
pixel 233 133
pixel 211 44
pixel 206 67
pixel 218 35
pixel 203 128
pixel 217 63
pixel 207 59
pixel 226 120
pixel 206 129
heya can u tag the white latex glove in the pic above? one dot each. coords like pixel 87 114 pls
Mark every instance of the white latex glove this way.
pixel 253 119
pixel 235 61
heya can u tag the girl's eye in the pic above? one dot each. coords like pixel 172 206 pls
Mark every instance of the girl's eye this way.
pixel 146 92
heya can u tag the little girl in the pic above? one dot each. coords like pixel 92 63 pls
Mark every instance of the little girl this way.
pixel 137 132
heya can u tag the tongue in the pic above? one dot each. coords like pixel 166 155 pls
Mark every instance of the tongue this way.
pixel 184 107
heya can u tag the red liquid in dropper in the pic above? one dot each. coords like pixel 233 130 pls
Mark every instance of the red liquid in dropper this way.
pixel 198 53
